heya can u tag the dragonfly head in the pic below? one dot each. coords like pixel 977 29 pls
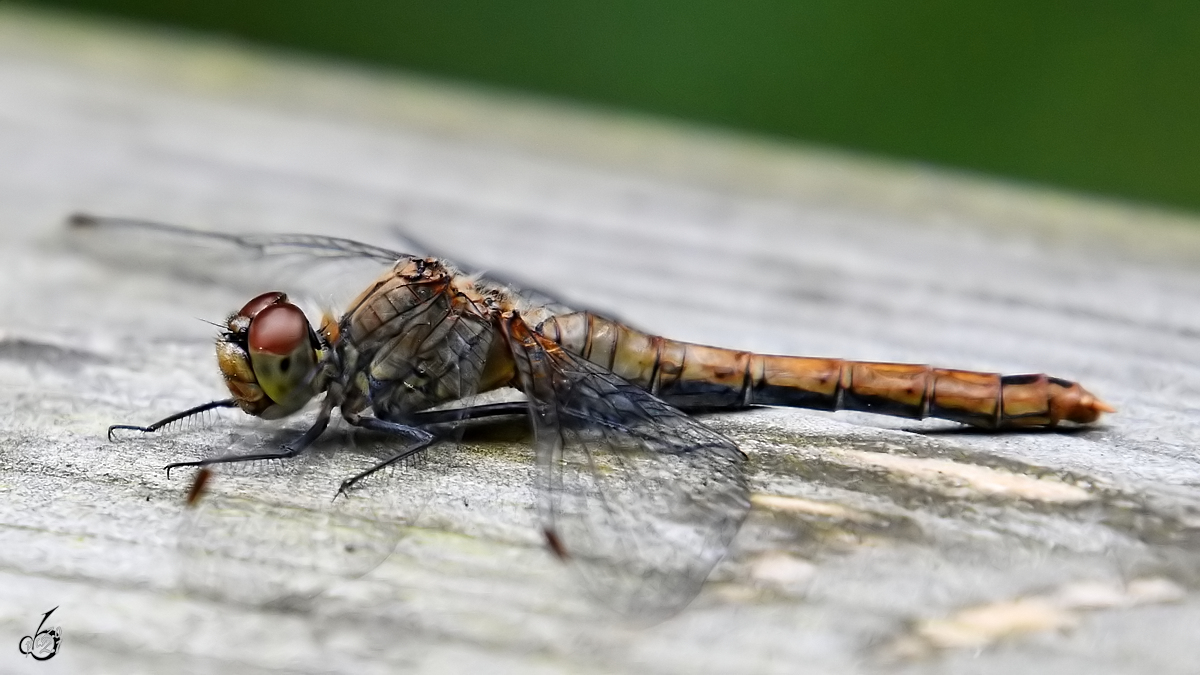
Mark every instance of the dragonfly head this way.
pixel 270 356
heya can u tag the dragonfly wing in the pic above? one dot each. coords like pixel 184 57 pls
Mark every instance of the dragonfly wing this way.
pixel 641 498
pixel 271 533
pixel 328 271
pixel 530 296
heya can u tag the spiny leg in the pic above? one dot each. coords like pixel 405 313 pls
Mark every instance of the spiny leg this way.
pixel 289 450
pixel 475 412
pixel 421 439
pixel 205 407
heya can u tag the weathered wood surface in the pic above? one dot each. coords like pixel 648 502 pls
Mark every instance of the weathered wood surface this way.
pixel 875 545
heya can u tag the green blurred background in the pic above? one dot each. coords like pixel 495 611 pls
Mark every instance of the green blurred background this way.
pixel 1094 96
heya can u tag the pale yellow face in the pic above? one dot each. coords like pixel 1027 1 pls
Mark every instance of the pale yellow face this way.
pixel 269 356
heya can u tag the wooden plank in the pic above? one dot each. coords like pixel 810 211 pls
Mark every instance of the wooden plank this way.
pixel 871 540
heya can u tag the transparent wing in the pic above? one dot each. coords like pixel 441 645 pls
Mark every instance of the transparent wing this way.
pixel 641 498
pixel 531 298
pixel 329 271
pixel 271 533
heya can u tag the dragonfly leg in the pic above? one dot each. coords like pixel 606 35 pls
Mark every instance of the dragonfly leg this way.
pixel 204 407
pixel 421 439
pixel 474 412
pixel 290 449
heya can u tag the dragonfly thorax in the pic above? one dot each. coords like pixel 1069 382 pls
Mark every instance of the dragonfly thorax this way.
pixel 418 337
pixel 269 356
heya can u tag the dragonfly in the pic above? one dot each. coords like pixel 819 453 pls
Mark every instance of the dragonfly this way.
pixel 628 480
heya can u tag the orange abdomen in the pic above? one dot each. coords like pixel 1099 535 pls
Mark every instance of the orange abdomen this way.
pixel 694 376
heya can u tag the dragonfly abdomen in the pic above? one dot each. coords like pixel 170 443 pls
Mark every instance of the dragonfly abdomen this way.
pixel 683 374
pixel 987 400
pixel 692 376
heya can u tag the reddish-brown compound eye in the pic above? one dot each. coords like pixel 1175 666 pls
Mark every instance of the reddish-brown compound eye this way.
pixel 277 329
pixel 258 304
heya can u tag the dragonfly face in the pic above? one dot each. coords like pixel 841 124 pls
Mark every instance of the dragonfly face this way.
pixel 270 357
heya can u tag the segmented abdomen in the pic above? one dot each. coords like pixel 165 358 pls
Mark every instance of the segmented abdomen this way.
pixel 695 376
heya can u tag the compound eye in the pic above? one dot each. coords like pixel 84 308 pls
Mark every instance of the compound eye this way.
pixel 278 329
pixel 251 309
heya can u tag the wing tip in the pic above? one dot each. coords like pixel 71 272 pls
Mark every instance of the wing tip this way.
pixel 555 544
pixel 80 219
